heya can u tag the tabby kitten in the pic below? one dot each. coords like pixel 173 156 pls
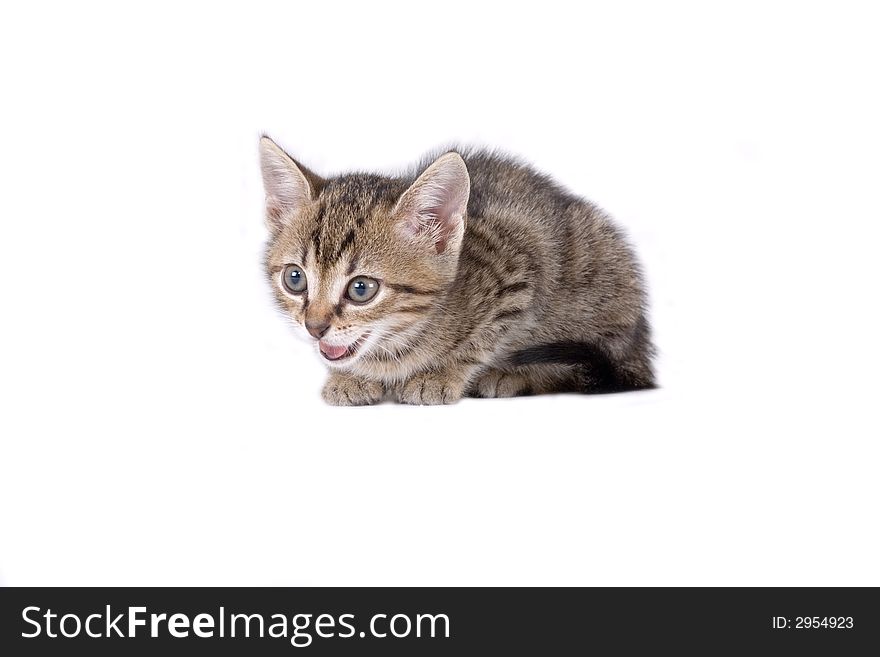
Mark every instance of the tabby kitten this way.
pixel 475 276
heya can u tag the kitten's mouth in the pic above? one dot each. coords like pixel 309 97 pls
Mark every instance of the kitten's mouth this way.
pixel 336 353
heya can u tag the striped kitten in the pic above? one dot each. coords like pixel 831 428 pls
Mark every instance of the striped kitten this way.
pixel 475 277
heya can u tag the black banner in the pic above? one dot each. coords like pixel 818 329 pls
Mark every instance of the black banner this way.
pixel 446 621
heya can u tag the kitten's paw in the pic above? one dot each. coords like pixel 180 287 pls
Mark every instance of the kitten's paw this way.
pixel 346 390
pixel 497 383
pixel 431 388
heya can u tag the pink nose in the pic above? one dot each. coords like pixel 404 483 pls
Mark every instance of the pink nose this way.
pixel 318 329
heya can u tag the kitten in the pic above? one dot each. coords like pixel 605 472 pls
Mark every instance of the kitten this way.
pixel 475 277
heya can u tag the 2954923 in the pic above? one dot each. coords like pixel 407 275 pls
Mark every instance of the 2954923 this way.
pixel 813 623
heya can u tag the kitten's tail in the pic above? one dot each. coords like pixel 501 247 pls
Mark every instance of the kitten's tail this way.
pixel 597 371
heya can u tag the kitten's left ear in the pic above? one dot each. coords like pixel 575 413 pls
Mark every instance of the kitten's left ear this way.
pixel 289 186
pixel 435 205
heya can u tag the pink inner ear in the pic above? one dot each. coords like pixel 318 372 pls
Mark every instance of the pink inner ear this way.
pixel 274 209
pixel 435 222
pixel 438 222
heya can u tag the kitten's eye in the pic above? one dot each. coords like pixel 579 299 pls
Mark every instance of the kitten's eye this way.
pixel 294 279
pixel 362 289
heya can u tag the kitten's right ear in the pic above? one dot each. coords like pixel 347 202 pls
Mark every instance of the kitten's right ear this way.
pixel 289 186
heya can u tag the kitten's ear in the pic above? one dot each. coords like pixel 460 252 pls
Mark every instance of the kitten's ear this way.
pixel 435 205
pixel 289 186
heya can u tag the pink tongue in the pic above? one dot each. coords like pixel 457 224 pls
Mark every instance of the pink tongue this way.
pixel 332 351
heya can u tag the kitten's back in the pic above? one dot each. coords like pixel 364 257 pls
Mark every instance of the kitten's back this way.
pixel 590 298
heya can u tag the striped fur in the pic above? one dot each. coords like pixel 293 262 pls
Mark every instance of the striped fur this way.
pixel 533 291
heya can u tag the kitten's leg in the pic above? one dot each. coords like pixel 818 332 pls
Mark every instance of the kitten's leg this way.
pixel 343 389
pixel 441 386
pixel 501 383
pixel 516 381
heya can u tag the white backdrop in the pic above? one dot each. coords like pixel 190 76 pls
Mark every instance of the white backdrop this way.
pixel 161 424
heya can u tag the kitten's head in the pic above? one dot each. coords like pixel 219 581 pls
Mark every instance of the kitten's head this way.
pixel 359 258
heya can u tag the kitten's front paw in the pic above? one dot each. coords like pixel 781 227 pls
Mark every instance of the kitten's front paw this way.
pixel 347 390
pixel 431 388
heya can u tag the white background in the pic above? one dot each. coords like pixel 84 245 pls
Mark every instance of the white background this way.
pixel 162 425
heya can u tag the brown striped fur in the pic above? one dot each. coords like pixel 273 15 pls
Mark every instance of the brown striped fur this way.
pixel 533 291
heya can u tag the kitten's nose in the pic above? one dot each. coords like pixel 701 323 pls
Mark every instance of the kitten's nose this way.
pixel 318 329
